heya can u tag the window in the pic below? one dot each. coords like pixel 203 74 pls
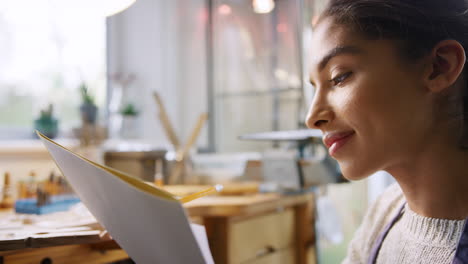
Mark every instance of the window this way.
pixel 46 52
pixel 257 71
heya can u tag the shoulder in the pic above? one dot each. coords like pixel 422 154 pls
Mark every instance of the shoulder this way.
pixel 381 212
pixel 378 215
pixel 386 206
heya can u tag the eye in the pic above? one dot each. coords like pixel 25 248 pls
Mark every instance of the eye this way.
pixel 340 78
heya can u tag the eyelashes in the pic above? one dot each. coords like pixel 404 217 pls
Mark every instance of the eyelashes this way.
pixel 340 78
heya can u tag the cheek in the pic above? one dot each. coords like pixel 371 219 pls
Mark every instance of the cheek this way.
pixel 374 103
pixel 370 113
pixel 344 101
pixel 353 104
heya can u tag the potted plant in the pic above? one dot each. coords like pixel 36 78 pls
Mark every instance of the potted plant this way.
pixel 47 124
pixel 88 108
pixel 129 121
pixel 129 110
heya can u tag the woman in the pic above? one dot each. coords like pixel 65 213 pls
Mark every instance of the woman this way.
pixel 391 94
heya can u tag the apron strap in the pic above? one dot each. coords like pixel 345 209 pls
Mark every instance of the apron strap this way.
pixel 461 255
pixel 378 243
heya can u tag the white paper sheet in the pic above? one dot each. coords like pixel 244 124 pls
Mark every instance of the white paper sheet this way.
pixel 151 228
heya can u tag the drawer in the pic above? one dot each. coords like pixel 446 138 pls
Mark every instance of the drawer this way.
pixel 285 256
pixel 311 255
pixel 259 236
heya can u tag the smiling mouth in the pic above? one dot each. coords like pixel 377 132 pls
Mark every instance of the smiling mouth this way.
pixel 335 143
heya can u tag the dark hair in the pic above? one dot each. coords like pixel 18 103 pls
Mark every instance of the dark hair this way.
pixel 417 24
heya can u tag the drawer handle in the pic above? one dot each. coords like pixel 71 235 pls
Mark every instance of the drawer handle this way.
pixel 265 251
pixel 46 261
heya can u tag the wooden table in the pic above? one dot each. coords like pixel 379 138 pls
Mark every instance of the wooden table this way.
pixel 32 244
pixel 64 248
pixel 260 228
pixel 253 229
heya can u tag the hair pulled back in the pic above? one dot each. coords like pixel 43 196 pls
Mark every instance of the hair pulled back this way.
pixel 417 24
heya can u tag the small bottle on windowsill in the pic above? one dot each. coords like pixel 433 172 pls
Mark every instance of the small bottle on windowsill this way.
pixel 7 197
pixel 158 174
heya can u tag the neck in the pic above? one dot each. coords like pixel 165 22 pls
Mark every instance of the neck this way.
pixel 435 182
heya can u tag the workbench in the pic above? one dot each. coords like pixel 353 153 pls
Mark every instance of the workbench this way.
pixel 62 237
pixel 251 229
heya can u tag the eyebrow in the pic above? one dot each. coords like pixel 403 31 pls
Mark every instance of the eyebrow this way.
pixel 338 51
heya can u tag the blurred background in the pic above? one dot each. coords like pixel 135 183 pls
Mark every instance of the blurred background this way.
pixel 88 79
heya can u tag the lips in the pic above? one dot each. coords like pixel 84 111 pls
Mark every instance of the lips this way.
pixel 334 141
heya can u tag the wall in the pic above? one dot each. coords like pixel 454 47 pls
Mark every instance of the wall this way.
pixel 150 40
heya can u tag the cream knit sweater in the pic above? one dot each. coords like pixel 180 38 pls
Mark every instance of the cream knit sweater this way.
pixel 413 239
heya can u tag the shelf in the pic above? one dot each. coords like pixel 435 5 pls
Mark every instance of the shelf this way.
pixel 256 93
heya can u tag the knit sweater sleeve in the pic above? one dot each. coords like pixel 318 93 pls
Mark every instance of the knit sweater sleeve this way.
pixel 374 221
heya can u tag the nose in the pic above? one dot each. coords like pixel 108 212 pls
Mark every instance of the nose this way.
pixel 320 113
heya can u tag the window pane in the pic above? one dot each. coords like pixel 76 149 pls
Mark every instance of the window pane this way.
pixel 257 71
pixel 46 51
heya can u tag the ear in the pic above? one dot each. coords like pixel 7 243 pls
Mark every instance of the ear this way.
pixel 447 60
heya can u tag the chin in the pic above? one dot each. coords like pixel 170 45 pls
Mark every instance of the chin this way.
pixel 355 173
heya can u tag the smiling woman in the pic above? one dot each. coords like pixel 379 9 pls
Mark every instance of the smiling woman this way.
pixel 391 94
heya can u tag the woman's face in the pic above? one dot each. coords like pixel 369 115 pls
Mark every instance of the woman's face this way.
pixel 370 104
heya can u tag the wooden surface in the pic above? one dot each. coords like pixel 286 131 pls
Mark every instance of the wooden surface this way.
pixel 50 240
pixel 31 245
pixel 70 254
pixel 258 228
pixel 217 206
pixel 259 236
pixel 284 256
pixel 244 188
pixel 261 228
pixel 21 231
